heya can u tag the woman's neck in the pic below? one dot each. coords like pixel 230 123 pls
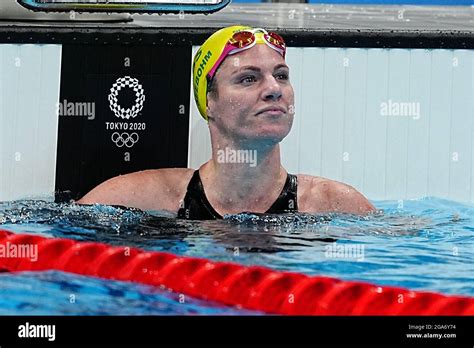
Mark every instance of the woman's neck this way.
pixel 242 179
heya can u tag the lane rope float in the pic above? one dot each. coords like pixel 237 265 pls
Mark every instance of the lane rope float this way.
pixel 250 287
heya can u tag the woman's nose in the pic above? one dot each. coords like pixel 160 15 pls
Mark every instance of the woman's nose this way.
pixel 272 89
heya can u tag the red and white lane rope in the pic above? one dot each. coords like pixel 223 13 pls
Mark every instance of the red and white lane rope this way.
pixel 256 288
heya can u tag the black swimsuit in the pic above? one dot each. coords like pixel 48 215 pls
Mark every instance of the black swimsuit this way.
pixel 197 207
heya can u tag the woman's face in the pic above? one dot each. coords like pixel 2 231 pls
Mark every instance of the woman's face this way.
pixel 255 99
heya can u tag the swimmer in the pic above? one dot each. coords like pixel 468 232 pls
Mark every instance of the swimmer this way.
pixel 242 89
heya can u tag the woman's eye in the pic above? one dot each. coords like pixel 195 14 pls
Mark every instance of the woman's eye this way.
pixel 248 79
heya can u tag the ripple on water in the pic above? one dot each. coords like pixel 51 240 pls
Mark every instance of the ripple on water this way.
pixel 428 244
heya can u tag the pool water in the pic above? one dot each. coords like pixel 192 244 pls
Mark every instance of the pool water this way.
pixel 424 244
pixel 59 293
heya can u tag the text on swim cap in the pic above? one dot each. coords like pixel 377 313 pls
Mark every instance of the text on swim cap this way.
pixel 198 54
pixel 201 67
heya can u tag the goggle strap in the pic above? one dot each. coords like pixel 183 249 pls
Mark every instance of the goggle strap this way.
pixel 230 51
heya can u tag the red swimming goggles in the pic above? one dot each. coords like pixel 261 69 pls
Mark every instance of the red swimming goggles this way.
pixel 245 39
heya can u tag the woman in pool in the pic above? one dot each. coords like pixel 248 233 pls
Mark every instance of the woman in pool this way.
pixel 242 89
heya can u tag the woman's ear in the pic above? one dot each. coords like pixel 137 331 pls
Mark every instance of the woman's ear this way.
pixel 209 106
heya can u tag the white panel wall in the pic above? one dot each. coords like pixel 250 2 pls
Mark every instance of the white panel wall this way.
pixel 199 145
pixel 29 92
pixel 340 131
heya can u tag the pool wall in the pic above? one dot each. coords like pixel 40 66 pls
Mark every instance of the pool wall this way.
pixel 29 90
pixel 384 98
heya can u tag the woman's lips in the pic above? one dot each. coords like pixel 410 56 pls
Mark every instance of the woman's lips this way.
pixel 272 112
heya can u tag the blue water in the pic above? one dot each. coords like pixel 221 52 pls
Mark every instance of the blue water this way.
pixel 58 293
pixel 424 244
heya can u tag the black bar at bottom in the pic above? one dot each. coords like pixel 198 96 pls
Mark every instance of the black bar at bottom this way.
pixel 138 330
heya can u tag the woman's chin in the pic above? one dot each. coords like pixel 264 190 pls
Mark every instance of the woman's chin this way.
pixel 270 134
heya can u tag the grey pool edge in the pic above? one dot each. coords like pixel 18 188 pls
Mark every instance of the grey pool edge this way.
pixel 302 24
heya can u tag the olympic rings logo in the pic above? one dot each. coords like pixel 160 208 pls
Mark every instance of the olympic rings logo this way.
pixel 135 85
pixel 124 139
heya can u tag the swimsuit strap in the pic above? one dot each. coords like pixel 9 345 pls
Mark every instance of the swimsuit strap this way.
pixel 197 207
pixel 287 201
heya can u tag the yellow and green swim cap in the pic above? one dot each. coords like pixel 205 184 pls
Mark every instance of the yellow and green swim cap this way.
pixel 209 54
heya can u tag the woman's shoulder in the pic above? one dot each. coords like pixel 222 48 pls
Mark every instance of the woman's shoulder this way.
pixel 152 189
pixel 171 175
pixel 320 194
